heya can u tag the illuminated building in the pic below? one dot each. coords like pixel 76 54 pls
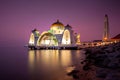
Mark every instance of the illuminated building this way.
pixel 116 38
pixel 58 35
pixel 106 29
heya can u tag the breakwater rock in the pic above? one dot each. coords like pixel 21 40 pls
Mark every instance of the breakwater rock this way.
pixel 107 59
pixel 101 63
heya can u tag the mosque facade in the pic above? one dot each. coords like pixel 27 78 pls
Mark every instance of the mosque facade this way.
pixel 57 35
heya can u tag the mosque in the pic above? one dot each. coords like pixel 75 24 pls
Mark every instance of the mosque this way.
pixel 57 36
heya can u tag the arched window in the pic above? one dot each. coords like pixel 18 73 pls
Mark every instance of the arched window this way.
pixel 66 37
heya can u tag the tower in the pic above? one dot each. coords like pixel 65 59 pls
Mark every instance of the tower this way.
pixel 34 37
pixel 106 29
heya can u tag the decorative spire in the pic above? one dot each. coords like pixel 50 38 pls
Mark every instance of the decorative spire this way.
pixel 57 20
pixel 34 30
pixel 106 15
pixel 68 26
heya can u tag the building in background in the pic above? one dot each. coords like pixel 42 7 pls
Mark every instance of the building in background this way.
pixel 116 38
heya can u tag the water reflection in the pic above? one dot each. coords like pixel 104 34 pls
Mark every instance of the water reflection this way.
pixel 49 58
pixel 66 58
pixel 31 60
pixel 44 62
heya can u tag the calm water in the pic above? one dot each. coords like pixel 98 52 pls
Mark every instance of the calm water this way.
pixel 22 64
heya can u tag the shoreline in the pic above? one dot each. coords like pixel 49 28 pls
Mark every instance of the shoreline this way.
pixel 101 63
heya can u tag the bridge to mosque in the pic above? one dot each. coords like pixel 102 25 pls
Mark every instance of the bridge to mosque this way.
pixel 73 47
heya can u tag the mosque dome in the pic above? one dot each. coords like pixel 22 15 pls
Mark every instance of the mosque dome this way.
pixel 57 24
pixel 57 27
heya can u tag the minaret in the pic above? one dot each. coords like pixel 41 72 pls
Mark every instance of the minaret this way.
pixel 106 29
pixel 34 37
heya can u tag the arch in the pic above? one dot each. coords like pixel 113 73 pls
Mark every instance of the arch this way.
pixel 38 41
pixel 66 37
pixel 47 39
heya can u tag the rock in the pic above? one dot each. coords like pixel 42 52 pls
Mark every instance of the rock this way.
pixel 88 51
pixel 107 58
pixel 115 60
pixel 74 74
pixel 106 62
pixel 101 73
pixel 101 61
pixel 86 67
pixel 112 76
pixel 109 49
pixel 70 69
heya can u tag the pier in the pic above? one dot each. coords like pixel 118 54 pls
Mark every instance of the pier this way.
pixel 55 47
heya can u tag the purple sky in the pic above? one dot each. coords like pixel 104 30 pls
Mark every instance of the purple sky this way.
pixel 19 17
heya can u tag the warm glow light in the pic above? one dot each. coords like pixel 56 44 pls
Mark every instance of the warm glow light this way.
pixel 31 57
pixel 47 42
pixel 31 41
pixel 57 27
pixel 66 37
pixel 105 38
pixel 66 57
pixel 57 30
pixel 38 41
pixel 69 69
pixel 49 58
pixel 78 39
pixel 58 35
pixel 47 39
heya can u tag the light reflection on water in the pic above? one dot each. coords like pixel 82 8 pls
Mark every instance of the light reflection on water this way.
pixel 51 64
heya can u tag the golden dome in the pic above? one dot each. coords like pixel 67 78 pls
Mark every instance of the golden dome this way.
pixel 58 25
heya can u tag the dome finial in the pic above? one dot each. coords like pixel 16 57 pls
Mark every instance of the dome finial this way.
pixel 57 24
pixel 106 15
pixel 57 20
pixel 68 25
